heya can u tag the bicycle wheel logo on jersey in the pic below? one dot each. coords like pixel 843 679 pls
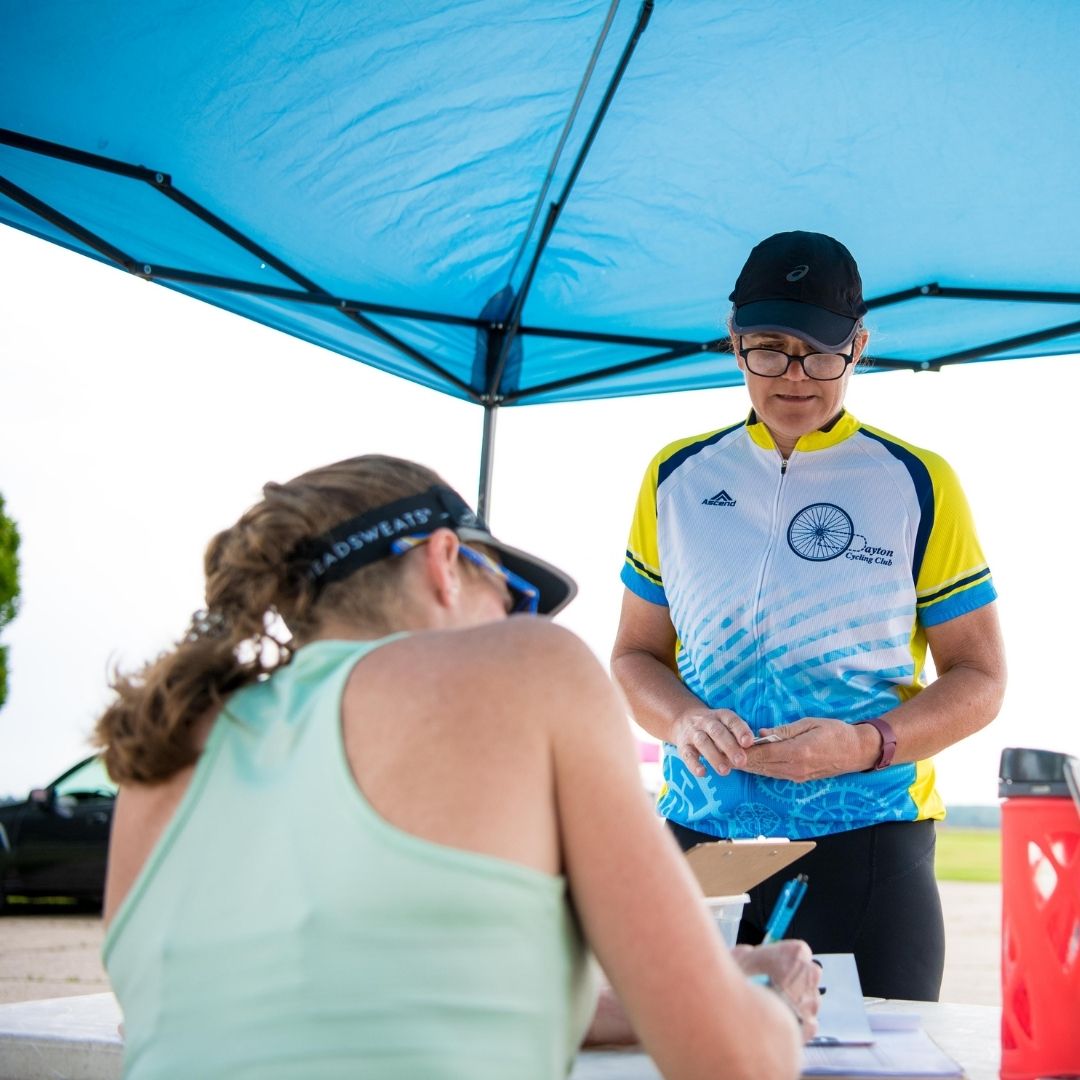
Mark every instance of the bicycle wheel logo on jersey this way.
pixel 820 532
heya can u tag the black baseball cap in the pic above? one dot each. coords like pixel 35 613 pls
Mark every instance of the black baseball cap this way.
pixel 800 283
pixel 361 540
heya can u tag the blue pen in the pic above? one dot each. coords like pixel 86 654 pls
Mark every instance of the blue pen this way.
pixel 786 905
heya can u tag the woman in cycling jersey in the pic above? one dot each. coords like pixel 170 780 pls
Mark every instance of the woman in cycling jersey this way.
pixel 785 577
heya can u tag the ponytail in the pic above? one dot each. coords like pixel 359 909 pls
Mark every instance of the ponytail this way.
pixel 258 602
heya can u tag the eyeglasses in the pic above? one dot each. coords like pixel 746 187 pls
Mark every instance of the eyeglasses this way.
pixel 524 596
pixel 772 363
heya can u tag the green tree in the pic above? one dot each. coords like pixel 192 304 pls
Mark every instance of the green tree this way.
pixel 9 587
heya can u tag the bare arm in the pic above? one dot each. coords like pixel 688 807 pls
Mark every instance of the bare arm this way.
pixel 642 663
pixel 969 656
pixel 639 904
pixel 140 816
pixel 788 964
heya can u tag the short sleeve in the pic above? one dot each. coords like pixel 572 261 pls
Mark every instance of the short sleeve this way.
pixel 641 570
pixel 953 578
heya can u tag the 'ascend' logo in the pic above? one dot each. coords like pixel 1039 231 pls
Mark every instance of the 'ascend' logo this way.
pixel 721 498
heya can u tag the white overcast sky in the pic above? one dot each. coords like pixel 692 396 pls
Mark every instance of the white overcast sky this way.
pixel 135 422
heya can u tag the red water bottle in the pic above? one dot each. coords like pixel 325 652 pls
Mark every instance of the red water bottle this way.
pixel 1040 915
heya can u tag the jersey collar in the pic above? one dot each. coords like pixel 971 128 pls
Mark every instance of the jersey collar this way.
pixel 843 427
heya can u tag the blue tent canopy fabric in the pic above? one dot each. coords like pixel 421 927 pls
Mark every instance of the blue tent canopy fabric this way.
pixel 517 203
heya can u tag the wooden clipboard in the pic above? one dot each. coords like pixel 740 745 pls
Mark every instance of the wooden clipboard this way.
pixel 729 867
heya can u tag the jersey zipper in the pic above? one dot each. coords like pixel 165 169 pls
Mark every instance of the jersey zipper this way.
pixel 766 559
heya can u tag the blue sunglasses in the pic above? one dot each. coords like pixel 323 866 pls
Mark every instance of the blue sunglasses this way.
pixel 524 596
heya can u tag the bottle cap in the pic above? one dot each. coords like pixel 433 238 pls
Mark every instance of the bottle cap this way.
pixel 1034 773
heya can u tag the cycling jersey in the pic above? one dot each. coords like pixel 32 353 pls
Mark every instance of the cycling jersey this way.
pixel 801 589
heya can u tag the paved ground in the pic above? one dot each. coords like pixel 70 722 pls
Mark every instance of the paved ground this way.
pixel 47 955
pixel 972 943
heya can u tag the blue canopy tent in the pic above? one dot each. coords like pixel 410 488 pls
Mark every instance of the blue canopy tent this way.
pixel 517 202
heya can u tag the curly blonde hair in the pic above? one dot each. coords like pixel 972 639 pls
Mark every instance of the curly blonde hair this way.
pixel 254 583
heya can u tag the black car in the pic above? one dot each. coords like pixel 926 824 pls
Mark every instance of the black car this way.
pixel 54 843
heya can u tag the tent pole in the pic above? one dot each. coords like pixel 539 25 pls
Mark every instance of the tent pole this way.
pixel 487 457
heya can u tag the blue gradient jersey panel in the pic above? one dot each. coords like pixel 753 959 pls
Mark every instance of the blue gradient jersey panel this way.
pixel 799 591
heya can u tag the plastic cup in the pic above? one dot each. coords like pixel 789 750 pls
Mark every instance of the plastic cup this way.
pixel 727 914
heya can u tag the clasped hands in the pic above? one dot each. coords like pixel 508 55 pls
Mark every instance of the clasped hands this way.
pixel 807 749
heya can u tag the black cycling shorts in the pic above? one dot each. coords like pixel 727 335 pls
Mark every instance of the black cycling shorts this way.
pixel 872 892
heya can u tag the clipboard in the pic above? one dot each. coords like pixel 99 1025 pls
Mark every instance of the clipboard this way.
pixel 730 867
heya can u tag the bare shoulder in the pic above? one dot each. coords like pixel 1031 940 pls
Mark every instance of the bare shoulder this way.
pixel 535 643
pixel 516 666
pixel 525 647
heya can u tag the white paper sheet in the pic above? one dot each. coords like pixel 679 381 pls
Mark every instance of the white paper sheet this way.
pixel 842 1017
pixel 897 1052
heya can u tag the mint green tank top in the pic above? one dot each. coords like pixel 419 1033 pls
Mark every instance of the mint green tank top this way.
pixel 282 928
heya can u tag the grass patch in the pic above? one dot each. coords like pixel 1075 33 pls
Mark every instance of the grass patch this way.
pixel 43 901
pixel 968 854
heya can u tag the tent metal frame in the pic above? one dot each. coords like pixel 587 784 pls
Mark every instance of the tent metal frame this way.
pixel 499 335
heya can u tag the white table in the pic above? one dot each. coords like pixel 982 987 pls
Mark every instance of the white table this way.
pixel 69 1038
pixel 970 1034
pixel 76 1038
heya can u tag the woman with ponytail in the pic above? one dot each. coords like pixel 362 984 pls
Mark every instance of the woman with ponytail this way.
pixel 360 831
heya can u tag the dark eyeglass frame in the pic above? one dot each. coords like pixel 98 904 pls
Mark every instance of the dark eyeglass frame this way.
pixel 848 358
pixel 524 595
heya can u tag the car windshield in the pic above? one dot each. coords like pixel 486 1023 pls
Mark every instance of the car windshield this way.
pixel 88 778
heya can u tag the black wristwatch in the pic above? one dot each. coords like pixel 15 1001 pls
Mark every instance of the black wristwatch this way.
pixel 888 743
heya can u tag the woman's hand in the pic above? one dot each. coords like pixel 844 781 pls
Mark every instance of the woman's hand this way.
pixel 719 736
pixel 813 748
pixel 788 964
pixel 792 974
pixel 807 749
pixel 610 1025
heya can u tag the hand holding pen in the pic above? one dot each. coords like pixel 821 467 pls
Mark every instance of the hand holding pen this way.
pixel 788 968
pixel 786 905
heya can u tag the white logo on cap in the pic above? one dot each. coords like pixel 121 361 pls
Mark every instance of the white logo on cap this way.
pixel 799 273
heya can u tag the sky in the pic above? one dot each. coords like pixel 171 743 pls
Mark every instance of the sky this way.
pixel 136 422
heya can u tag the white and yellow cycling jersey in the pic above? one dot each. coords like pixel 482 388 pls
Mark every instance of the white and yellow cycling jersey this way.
pixel 797 589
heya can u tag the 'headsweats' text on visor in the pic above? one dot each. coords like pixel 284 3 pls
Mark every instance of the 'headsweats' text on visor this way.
pixel 371 536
